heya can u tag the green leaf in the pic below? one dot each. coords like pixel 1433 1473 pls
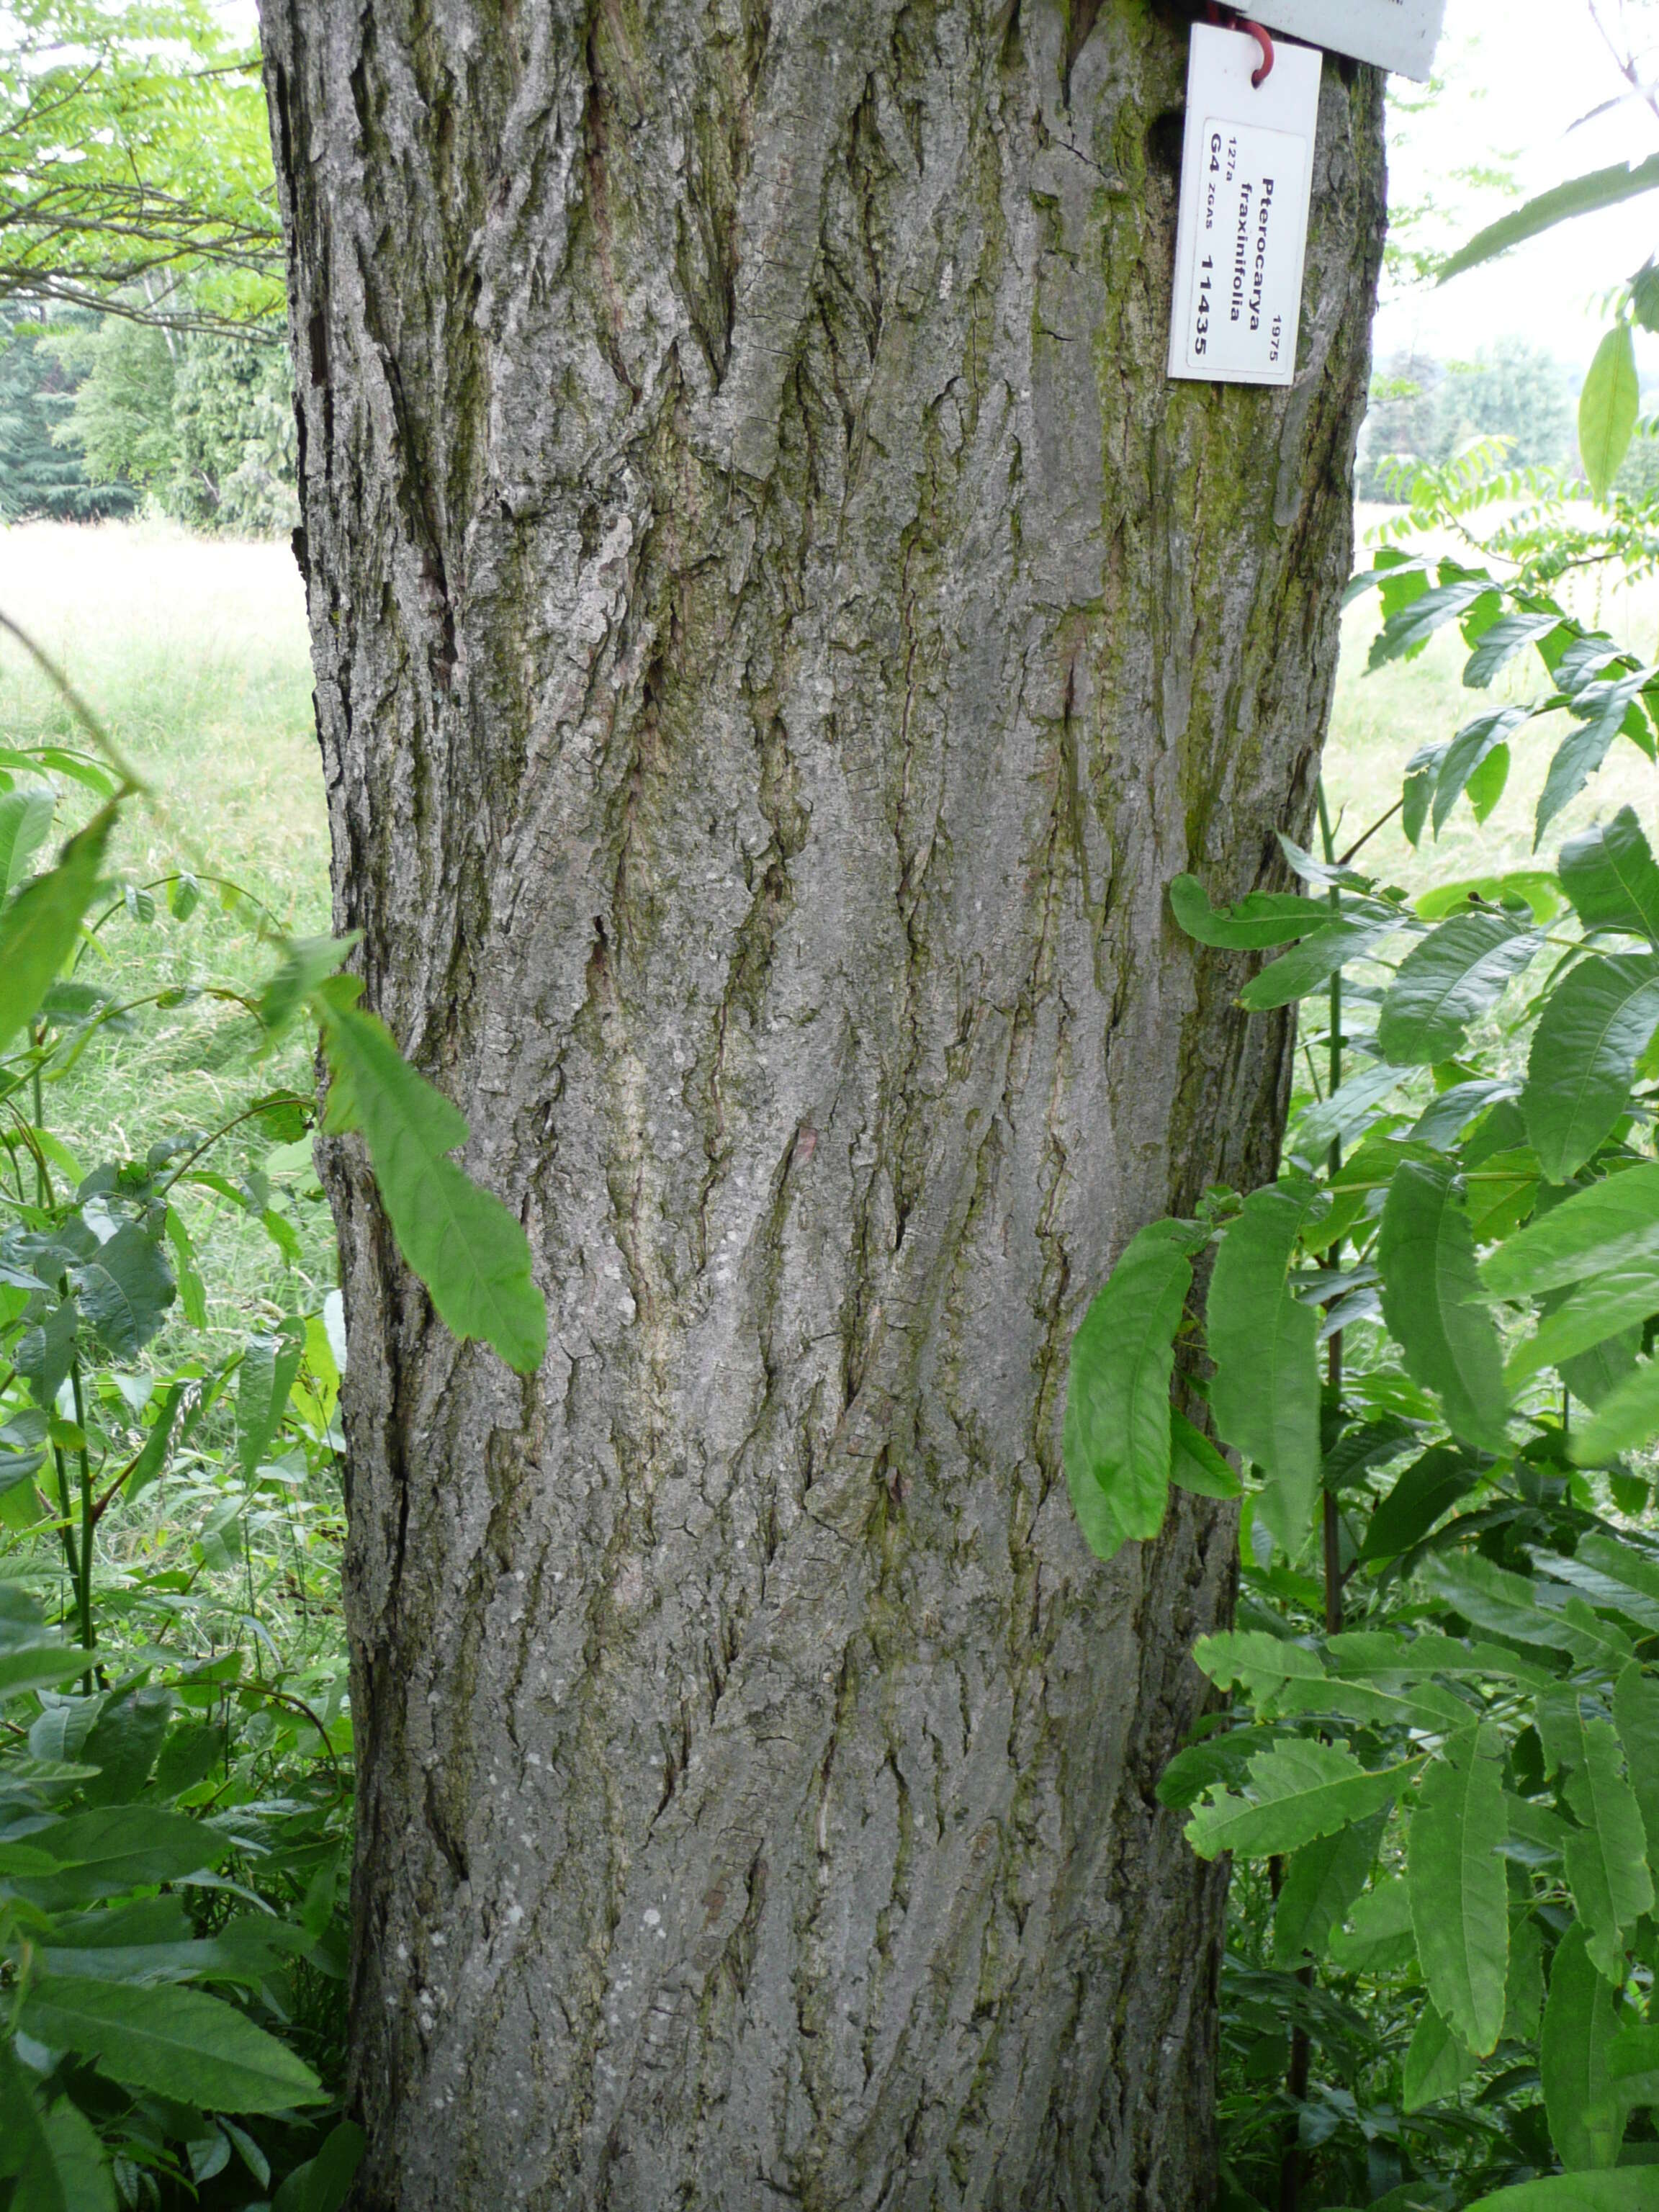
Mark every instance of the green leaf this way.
pixel 1600 711
pixel 321 2185
pixel 124 1742
pixel 1488 782
pixel 1410 630
pixel 1614 1222
pixel 1608 407
pixel 1586 2122
pixel 1469 751
pixel 25 825
pixel 1523 1994
pixel 269 1367
pixel 54 2158
pixel 1422 774
pixel 1256 924
pixel 1509 635
pixel 1449 980
pixel 1117 1401
pixel 1314 962
pixel 1632 2189
pixel 1635 1717
pixel 467 1247
pixel 177 2043
pixel 1623 1423
pixel 1459 1897
pixel 1604 1855
pixel 1593 1313
pixel 126 1287
pixel 122 1847
pixel 1436 2063
pixel 1338 1116
pixel 40 1668
pixel 1263 1339
pixel 38 929
pixel 1195 1465
pixel 1427 1490
pixel 1431 1301
pixel 1610 875
pixel 1585 195
pixel 1321 1881
pixel 306 963
pixel 1251 1660
pixel 1595 1026
pixel 1378 1939
pixel 1299 1790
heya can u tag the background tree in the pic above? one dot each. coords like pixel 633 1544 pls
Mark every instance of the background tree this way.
pixel 777 632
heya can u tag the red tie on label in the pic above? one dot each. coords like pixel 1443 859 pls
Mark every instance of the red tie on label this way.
pixel 1225 18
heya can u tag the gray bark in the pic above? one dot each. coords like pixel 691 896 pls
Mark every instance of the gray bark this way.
pixel 777 632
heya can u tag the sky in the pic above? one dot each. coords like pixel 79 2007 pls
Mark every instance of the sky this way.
pixel 1516 76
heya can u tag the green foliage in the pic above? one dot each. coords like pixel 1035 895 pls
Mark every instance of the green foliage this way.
pixel 201 426
pixel 39 475
pixel 175 1799
pixel 169 208
pixel 1439 1732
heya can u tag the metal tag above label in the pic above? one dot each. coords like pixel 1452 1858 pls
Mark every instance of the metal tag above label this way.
pixel 1396 35
pixel 1246 177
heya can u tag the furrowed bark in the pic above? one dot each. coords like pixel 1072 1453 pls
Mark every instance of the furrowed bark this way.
pixel 777 632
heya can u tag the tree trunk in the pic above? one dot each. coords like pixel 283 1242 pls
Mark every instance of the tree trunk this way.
pixel 777 632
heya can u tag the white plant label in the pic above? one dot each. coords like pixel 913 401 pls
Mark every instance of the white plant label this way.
pixel 1246 176
pixel 1396 35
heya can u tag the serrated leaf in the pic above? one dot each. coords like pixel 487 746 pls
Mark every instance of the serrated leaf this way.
pixel 38 929
pixel 1460 1898
pixel 1609 408
pixel 1635 1717
pixel 1298 1790
pixel 1379 1937
pixel 1432 1301
pixel 1427 1490
pixel 1523 1993
pixel 1605 1854
pixel 1610 875
pixel 1265 1396
pixel 1596 1311
pixel 26 819
pixel 1596 1024
pixel 53 2157
pixel 1509 635
pixel 1410 630
pixel 1321 1881
pixel 1417 793
pixel 1329 1120
pixel 472 1254
pixel 121 1847
pixel 1195 1465
pixel 1602 710
pixel 1596 1230
pixel 1624 1422
pixel 177 2043
pixel 1314 962
pixel 1585 2121
pixel 126 1288
pixel 1117 1429
pixel 1449 980
pixel 1472 746
pixel 1251 1660
pixel 269 1366
pixel 1579 196
pixel 1257 924
pixel 1436 2063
